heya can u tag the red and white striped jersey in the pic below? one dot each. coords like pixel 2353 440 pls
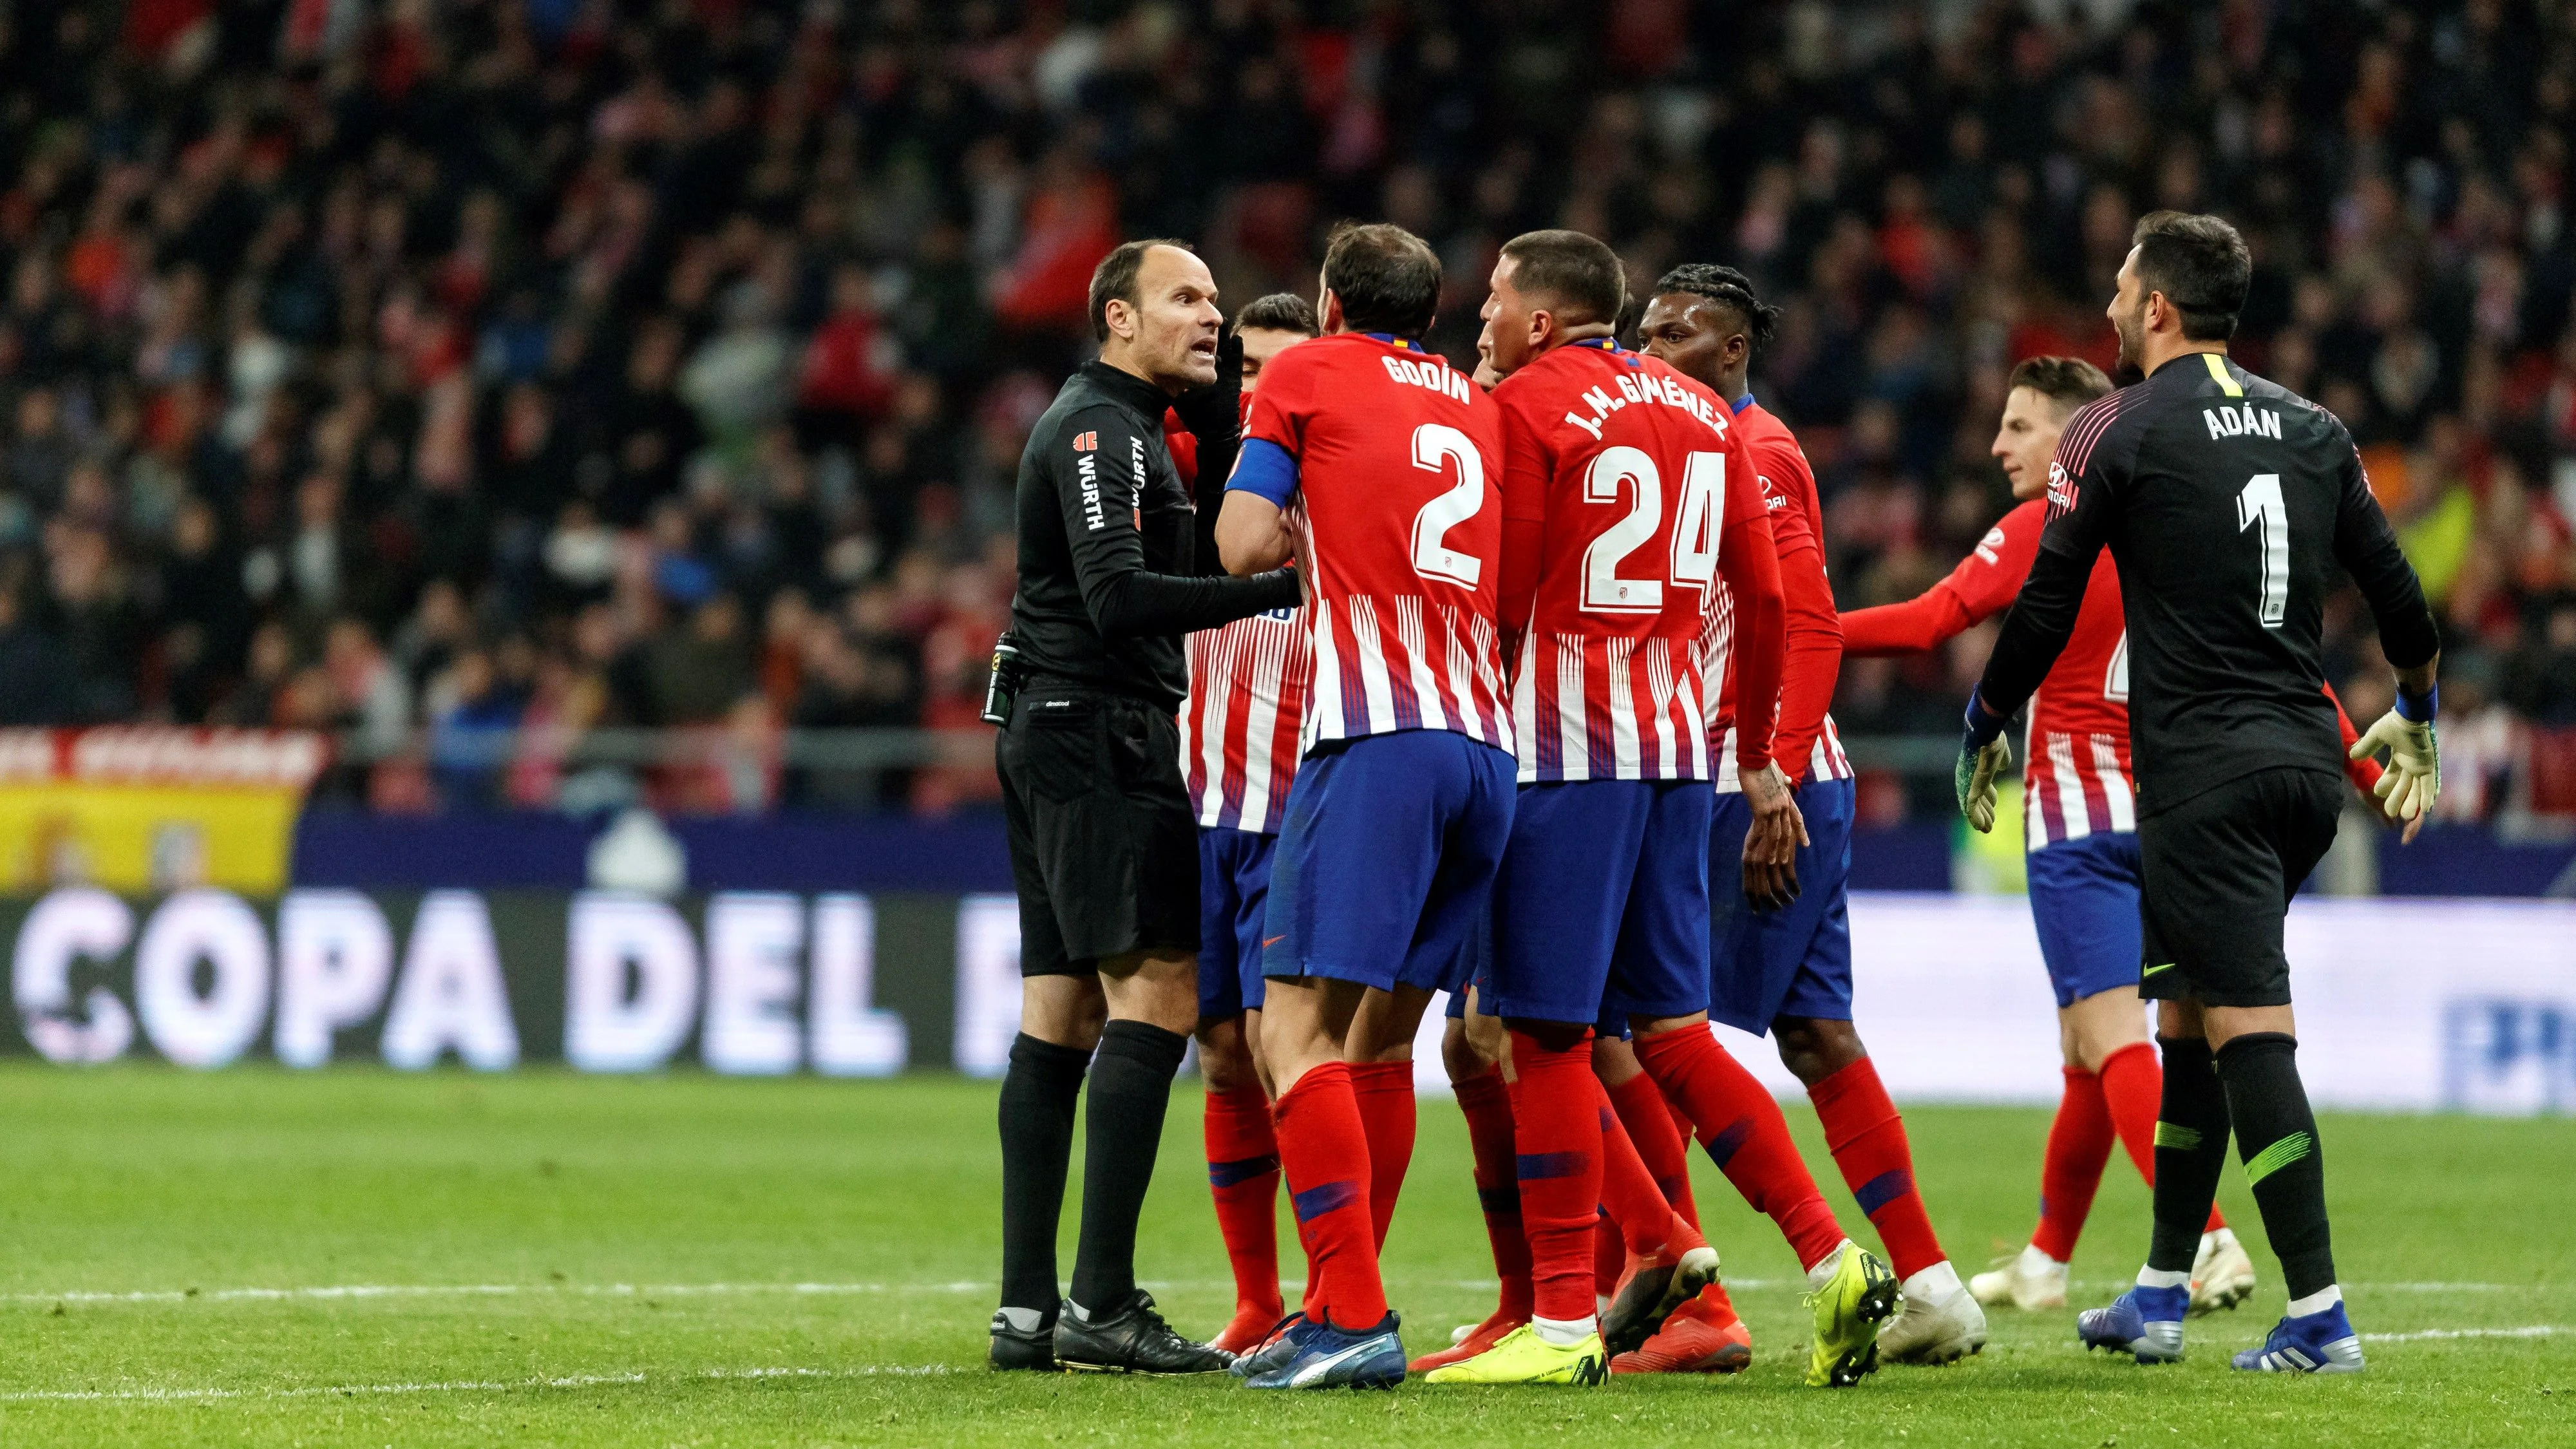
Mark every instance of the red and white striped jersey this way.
pixel 1629 470
pixel 2075 785
pixel 1240 726
pixel 1398 522
pixel 2075 780
pixel 1779 465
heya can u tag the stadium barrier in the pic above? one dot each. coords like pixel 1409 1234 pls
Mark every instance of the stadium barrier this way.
pixel 2404 1005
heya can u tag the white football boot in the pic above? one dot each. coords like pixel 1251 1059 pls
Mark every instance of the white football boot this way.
pixel 1940 1322
pixel 2028 1279
pixel 2222 1276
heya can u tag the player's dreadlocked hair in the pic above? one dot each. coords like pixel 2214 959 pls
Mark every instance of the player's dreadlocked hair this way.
pixel 1729 288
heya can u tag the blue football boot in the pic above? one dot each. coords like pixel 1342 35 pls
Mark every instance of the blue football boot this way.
pixel 2145 1322
pixel 2312 1343
pixel 1326 1357
pixel 1271 1352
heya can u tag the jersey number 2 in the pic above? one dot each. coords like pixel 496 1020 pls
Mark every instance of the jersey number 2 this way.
pixel 1695 529
pixel 2260 504
pixel 1436 444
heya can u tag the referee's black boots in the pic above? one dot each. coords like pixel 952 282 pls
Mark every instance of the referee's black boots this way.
pixel 1028 1349
pixel 1125 1338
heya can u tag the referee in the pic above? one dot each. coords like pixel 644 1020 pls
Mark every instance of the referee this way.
pixel 1104 849
pixel 2228 503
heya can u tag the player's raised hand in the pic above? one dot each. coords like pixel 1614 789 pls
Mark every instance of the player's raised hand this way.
pixel 2413 779
pixel 1772 843
pixel 1974 777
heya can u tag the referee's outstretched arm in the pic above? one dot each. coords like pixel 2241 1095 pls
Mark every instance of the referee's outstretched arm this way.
pixel 1124 598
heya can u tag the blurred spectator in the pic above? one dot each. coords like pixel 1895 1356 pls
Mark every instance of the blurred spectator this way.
pixel 698 673
pixel 36 679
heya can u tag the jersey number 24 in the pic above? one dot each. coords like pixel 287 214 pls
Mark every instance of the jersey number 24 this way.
pixel 1702 511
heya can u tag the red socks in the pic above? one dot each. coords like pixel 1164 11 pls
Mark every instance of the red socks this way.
pixel 2079 1143
pixel 1629 1192
pixel 1384 1091
pixel 2133 1087
pixel 1867 1139
pixel 1243 1177
pixel 1324 1151
pixel 1609 1258
pixel 1487 1105
pixel 1649 1123
pixel 1745 1135
pixel 1556 1118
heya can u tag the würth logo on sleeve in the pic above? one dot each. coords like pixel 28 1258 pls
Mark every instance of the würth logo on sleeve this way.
pixel 2062 490
pixel 1086 442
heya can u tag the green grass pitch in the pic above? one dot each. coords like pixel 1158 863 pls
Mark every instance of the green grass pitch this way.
pixel 362 1258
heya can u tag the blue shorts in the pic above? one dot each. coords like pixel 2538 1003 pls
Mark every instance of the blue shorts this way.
pixel 1480 972
pixel 1385 865
pixel 2084 899
pixel 1791 962
pixel 1234 893
pixel 1602 905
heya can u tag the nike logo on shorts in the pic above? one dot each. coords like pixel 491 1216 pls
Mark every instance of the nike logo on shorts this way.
pixel 2152 970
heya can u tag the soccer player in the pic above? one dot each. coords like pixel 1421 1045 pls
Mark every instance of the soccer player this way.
pixel 1780 954
pixel 2226 502
pixel 1100 835
pixel 1376 464
pixel 1239 732
pixel 1619 514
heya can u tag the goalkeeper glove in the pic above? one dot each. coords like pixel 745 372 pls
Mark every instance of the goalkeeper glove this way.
pixel 1975 775
pixel 1983 757
pixel 2413 779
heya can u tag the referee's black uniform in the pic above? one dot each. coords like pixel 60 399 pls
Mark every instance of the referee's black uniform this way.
pixel 1104 849
pixel 2228 503
pixel 1103 845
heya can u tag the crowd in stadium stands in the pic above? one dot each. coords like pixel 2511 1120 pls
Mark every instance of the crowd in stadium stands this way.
pixel 430 369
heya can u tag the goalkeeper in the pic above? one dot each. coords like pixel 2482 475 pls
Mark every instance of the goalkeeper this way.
pixel 2227 503
pixel 2079 825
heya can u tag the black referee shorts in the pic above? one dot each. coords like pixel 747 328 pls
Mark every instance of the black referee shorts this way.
pixel 1104 850
pixel 2220 869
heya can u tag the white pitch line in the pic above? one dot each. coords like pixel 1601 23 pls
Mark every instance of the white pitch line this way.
pixel 331 1291
pixel 2534 1330
pixel 458 1386
pixel 2118 1283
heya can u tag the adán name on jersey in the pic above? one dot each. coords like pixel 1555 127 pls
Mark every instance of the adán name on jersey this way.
pixel 2241 421
pixel 1643 387
pixel 1440 378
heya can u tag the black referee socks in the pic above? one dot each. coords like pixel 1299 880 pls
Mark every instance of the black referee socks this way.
pixel 1131 1084
pixel 2191 1151
pixel 1037 1144
pixel 2278 1136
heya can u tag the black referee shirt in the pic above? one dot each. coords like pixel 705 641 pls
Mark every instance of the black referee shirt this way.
pixel 2228 502
pixel 1107 546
